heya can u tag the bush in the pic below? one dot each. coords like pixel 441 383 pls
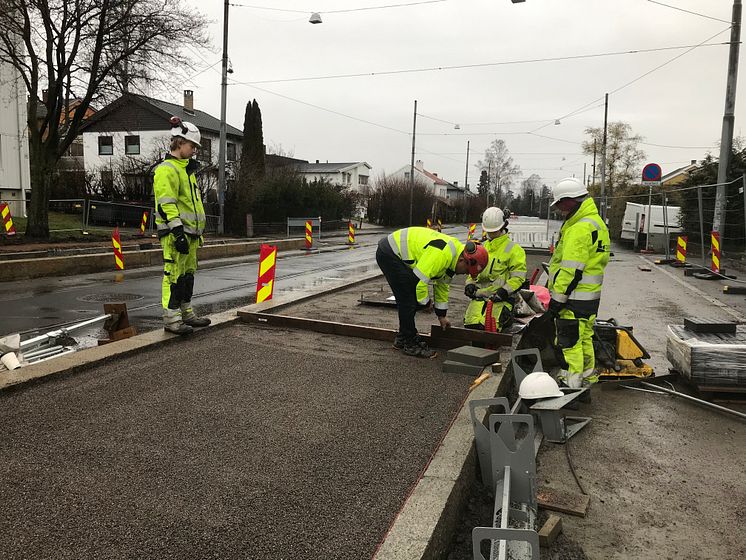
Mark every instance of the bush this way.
pixel 389 205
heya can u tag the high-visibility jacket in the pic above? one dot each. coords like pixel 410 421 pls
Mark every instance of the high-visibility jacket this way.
pixel 432 256
pixel 506 269
pixel 576 270
pixel 177 198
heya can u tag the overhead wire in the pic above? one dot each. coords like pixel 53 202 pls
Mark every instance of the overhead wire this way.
pixel 347 10
pixel 688 11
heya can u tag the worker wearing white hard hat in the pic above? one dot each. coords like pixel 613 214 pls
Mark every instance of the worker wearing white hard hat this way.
pixel 501 279
pixel 180 220
pixel 576 273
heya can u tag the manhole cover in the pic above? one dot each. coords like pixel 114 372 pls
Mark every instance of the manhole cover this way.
pixel 110 298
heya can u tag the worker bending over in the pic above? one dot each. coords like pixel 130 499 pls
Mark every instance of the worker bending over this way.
pixel 503 276
pixel 180 220
pixel 576 273
pixel 413 258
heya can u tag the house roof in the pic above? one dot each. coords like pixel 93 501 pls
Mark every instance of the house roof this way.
pixel 330 167
pixel 680 171
pixel 435 179
pixel 202 120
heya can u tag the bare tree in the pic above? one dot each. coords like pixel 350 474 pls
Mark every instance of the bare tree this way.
pixel 623 155
pixel 501 171
pixel 91 50
pixel 530 191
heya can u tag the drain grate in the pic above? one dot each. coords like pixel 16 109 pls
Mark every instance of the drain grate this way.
pixel 110 298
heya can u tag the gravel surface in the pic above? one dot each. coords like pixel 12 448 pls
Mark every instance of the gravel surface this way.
pixel 219 446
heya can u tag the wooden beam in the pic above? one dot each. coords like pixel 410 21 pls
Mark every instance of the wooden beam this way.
pixel 562 501
pixel 317 325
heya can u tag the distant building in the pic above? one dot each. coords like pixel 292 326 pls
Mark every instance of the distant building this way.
pixel 15 171
pixel 127 138
pixel 354 175
pixel 679 175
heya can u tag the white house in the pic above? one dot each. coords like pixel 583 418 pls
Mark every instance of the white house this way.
pixel 355 175
pixel 127 138
pixel 15 171
pixel 438 186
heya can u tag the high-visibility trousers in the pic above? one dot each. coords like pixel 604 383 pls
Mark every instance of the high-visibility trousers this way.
pixel 575 338
pixel 176 266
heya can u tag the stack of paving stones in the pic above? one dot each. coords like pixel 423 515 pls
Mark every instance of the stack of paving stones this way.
pixel 469 360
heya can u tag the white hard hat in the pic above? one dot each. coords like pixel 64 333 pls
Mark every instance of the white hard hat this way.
pixel 568 188
pixel 493 220
pixel 186 130
pixel 539 385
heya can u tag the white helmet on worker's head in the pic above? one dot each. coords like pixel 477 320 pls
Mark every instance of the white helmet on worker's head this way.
pixel 493 220
pixel 539 385
pixel 568 188
pixel 185 130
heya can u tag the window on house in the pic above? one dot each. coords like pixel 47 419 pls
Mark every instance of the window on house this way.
pixel 107 179
pixel 75 149
pixel 406 174
pixel 205 152
pixel 362 179
pixel 231 152
pixel 132 145
pixel 105 145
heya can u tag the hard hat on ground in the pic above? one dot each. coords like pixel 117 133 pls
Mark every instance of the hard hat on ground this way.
pixel 185 130
pixel 568 188
pixel 493 220
pixel 476 258
pixel 539 385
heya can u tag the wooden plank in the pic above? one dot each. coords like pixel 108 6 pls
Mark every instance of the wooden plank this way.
pixel 550 531
pixel 317 325
pixel 437 334
pixel 562 501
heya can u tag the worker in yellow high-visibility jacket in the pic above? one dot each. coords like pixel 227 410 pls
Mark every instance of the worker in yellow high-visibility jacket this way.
pixel 576 274
pixel 503 276
pixel 180 221
pixel 413 258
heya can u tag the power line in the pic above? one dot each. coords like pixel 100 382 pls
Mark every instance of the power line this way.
pixel 678 147
pixel 688 11
pixel 689 49
pixel 387 6
pixel 490 64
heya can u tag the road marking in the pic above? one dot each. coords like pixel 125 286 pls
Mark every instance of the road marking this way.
pixel 699 292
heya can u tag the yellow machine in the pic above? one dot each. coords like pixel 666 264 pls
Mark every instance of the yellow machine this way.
pixel 618 353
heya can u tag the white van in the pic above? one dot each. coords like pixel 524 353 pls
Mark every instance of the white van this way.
pixel 635 223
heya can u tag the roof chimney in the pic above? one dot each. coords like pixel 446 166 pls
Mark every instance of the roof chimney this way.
pixel 189 101
pixel 694 162
pixel 317 161
pixel 419 164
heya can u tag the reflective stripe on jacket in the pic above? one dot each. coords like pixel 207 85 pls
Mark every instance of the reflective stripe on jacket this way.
pixel 576 270
pixel 177 198
pixel 432 256
pixel 506 269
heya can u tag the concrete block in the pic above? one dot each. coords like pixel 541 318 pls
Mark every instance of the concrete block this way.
pixel 474 356
pixel 550 531
pixel 458 367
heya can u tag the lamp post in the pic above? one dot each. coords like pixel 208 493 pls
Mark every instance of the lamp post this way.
pixel 411 166
pixel 223 127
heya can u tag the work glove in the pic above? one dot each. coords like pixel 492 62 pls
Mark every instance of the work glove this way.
pixel 555 307
pixel 181 243
pixel 470 291
pixel 501 295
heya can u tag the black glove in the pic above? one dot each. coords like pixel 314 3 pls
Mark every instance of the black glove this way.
pixel 181 243
pixel 555 307
pixel 470 290
pixel 500 295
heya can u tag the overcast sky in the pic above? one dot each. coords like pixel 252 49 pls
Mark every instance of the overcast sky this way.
pixel 681 104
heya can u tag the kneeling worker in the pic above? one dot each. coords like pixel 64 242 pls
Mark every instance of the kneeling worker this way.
pixel 576 273
pixel 501 279
pixel 411 259
pixel 180 219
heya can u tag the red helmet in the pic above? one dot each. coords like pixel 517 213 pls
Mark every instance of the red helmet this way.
pixel 476 258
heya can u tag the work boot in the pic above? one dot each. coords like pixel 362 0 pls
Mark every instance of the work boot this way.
pixel 419 349
pixel 172 322
pixel 190 319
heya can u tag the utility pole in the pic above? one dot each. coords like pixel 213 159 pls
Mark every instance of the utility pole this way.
pixel 411 166
pixel 223 128
pixel 603 160
pixel 466 178
pixel 585 174
pixel 726 138
pixel 594 162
